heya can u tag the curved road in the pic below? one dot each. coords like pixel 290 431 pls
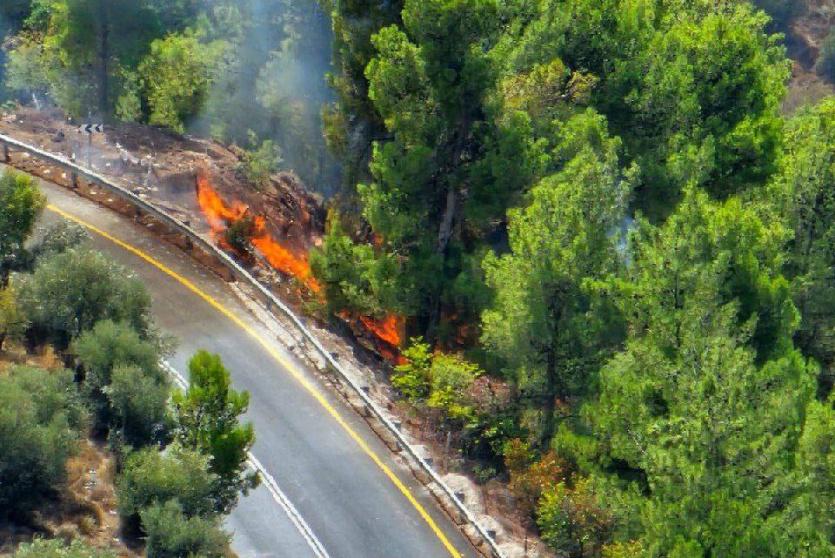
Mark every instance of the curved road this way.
pixel 341 478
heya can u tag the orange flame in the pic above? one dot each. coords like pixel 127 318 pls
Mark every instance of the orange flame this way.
pixel 220 216
pixel 388 329
pixel 216 211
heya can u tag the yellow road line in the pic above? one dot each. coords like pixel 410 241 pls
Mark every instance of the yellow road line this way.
pixel 281 360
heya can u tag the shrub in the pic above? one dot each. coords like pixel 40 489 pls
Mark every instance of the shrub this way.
pixel 39 420
pixel 151 477
pixel 173 534
pixel 42 548
pixel 69 292
pixel 572 522
pixel 57 238
pixel 452 378
pixel 139 403
pixel 177 73
pixel 352 278
pixel 413 378
pixel 529 477
pixel 12 322
pixel 100 351
pixel 110 344
pixel 441 381
pixel 261 162
pixel 20 205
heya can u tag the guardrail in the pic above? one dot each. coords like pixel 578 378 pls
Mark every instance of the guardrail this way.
pixel 268 298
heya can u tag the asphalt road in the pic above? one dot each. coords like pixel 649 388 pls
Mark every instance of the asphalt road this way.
pixel 352 506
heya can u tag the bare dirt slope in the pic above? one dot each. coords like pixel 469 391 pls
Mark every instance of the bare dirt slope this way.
pixel 163 167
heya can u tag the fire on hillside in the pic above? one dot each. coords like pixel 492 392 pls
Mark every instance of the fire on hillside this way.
pixel 220 215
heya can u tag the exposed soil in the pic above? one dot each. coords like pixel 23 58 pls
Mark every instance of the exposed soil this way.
pixel 163 168
pixel 804 38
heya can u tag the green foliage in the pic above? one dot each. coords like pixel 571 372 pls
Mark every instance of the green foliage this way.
pixel 124 382
pixel 151 477
pixel 177 73
pixel 809 523
pixel 20 205
pixel 56 548
pixel 705 403
pixel 207 417
pixel 80 52
pixel 352 123
pixel 57 238
pixel 109 345
pixel 118 401
pixel 139 404
pixel 447 169
pixel 572 522
pixel 12 322
pixel 801 195
pixel 27 70
pixel 172 534
pixel 710 96
pixel 261 162
pixel 354 281
pixel 413 378
pixel 452 377
pixel 39 422
pixel 546 324
pixel 438 381
pixel 71 291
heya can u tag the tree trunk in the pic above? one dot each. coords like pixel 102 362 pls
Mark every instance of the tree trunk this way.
pixel 444 236
pixel 104 57
pixel 550 408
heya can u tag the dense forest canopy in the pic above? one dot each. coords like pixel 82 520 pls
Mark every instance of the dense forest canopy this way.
pixel 601 204
pixel 595 208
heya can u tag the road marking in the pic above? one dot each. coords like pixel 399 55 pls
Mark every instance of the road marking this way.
pixel 283 361
pixel 270 483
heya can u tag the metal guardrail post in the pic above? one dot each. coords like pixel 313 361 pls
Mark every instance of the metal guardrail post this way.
pixel 271 301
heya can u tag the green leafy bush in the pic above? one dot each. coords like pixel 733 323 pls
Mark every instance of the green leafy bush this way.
pixel 40 417
pixel 151 477
pixel 261 162
pixel 57 238
pixel 353 279
pixel 20 205
pixel 414 376
pixel 177 73
pixel 12 322
pixel 440 381
pixel 139 403
pixel 170 533
pixel 99 352
pixel 69 292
